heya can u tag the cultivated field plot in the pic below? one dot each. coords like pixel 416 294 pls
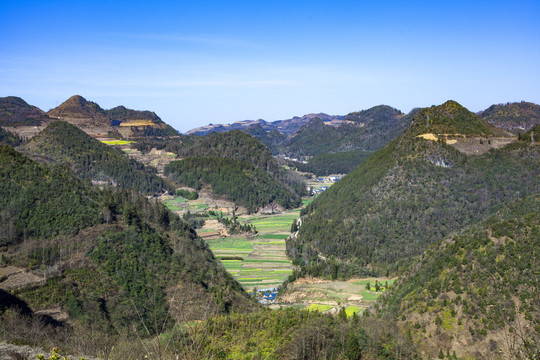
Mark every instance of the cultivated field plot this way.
pixel 273 224
pixel 330 296
pixel 259 262
pixel 231 247
pixel 180 205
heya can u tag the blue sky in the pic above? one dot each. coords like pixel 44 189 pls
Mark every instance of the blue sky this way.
pixel 200 62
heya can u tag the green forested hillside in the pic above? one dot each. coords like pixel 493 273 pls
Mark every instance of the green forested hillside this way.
pixel 514 117
pixel 238 181
pixel 114 261
pixel 477 293
pixel 235 145
pixel 450 118
pixel 41 201
pixel 237 165
pixel 414 192
pixel 8 138
pixel 66 144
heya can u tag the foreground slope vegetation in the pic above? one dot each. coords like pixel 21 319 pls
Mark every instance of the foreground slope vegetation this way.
pixel 412 193
pixel 476 294
pixel 111 261
pixel 90 159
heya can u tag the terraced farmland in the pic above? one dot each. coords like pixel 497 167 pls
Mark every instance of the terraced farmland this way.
pixel 258 262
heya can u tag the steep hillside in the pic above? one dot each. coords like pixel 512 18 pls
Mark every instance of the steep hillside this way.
pixel 111 262
pixel 514 117
pixel 476 294
pixel 77 107
pixel 66 144
pixel 14 111
pixel 414 192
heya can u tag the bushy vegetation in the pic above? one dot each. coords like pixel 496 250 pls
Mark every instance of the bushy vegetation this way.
pixel 291 334
pixel 64 143
pixel 476 283
pixel 186 194
pixel 9 138
pixel 400 200
pixel 238 181
pixel 232 224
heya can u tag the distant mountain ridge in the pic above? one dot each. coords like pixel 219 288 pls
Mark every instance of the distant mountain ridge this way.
pixel 288 126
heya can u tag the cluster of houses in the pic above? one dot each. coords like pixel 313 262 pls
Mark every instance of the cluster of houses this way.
pixel 268 296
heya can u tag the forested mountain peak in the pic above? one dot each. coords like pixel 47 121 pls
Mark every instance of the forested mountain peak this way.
pixel 121 113
pixel 450 119
pixel 237 166
pixel 313 124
